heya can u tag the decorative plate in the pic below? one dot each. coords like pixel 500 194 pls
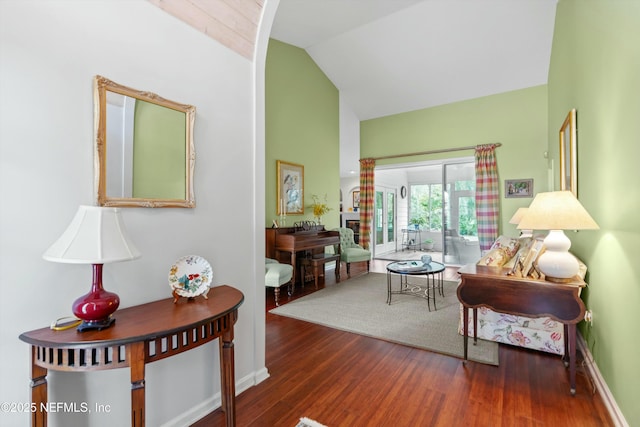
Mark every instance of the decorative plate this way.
pixel 190 276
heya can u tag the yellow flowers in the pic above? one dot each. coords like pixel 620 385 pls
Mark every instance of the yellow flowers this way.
pixel 319 208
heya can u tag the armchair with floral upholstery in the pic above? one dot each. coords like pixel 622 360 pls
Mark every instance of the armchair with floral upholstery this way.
pixel 350 251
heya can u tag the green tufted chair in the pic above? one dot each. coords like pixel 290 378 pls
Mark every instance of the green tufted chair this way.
pixel 350 251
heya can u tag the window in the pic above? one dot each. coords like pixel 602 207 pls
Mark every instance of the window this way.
pixel 425 207
pixel 465 193
pixel 467 216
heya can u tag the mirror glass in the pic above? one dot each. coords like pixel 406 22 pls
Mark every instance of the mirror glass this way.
pixel 144 150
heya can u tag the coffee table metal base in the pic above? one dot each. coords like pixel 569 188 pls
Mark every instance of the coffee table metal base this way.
pixel 428 290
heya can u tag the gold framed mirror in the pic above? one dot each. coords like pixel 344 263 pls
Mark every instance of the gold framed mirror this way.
pixel 569 154
pixel 144 150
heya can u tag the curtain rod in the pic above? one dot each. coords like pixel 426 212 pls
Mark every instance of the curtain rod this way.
pixel 421 153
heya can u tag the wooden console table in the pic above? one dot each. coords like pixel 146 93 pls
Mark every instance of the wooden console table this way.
pixel 491 287
pixel 140 335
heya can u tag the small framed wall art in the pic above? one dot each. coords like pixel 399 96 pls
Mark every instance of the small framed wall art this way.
pixel 518 188
pixel 290 188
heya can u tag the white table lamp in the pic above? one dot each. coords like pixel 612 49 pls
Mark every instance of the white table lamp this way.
pixel 517 217
pixel 557 211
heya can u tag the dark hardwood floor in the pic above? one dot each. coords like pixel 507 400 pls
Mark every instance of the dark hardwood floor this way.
pixel 342 379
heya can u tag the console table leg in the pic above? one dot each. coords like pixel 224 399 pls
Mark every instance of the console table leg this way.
pixel 465 331
pixel 38 391
pixel 475 326
pixel 565 356
pixel 135 355
pixel 572 357
pixel 227 376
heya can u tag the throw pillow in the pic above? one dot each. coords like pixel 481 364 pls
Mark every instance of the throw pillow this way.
pixel 525 246
pixel 510 244
pixel 496 257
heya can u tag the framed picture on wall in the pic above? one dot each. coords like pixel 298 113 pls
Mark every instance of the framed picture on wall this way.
pixel 290 188
pixel 356 199
pixel 518 188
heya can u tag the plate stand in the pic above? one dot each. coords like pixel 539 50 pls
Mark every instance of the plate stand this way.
pixel 177 296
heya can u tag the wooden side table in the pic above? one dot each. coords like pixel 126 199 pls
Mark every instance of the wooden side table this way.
pixel 140 335
pixel 491 287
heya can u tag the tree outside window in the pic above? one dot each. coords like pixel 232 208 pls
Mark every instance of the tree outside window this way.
pixel 425 207
pixel 426 204
pixel 465 192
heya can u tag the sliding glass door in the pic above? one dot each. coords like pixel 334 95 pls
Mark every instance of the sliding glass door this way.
pixel 460 231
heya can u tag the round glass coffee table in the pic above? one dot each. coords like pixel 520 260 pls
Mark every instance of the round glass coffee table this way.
pixel 432 271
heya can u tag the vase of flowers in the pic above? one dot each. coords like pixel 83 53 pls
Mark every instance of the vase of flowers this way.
pixel 319 208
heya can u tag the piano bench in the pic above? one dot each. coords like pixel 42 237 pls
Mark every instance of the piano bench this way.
pixel 318 261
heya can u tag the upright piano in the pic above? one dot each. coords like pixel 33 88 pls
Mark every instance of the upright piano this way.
pixel 285 244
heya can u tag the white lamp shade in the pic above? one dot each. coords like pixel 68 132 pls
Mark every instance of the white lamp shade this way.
pixel 557 210
pixel 517 217
pixel 96 235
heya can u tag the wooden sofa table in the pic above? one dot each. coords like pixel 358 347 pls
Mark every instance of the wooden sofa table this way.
pixel 491 287
pixel 140 335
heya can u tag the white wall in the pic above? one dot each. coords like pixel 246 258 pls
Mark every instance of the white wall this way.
pixel 49 53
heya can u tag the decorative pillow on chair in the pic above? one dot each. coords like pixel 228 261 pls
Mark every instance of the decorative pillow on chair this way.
pixel 525 246
pixel 501 252
pixel 496 257
pixel 511 244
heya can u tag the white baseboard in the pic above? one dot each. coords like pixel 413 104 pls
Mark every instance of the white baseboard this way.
pixel 259 376
pixel 214 402
pixel 601 385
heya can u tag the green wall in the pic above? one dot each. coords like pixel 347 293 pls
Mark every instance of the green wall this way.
pixel 302 127
pixel 595 68
pixel 516 119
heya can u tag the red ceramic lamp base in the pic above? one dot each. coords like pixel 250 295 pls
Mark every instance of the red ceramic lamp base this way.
pixel 96 307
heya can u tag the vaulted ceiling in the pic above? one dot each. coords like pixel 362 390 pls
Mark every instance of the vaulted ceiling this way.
pixel 392 56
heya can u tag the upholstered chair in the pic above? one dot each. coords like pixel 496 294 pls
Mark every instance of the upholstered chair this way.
pixel 277 275
pixel 350 251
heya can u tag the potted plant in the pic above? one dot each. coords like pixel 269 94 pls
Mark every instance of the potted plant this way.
pixel 428 244
pixel 417 222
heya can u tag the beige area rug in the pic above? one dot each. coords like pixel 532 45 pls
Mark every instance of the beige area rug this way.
pixel 359 305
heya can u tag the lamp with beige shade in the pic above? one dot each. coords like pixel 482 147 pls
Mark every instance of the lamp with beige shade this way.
pixel 557 211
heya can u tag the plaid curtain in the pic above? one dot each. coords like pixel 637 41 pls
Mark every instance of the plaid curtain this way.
pixel 487 195
pixel 367 193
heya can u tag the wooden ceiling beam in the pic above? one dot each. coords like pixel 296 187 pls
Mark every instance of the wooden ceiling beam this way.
pixel 233 23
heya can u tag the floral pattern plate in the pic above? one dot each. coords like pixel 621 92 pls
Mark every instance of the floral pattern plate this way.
pixel 190 276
